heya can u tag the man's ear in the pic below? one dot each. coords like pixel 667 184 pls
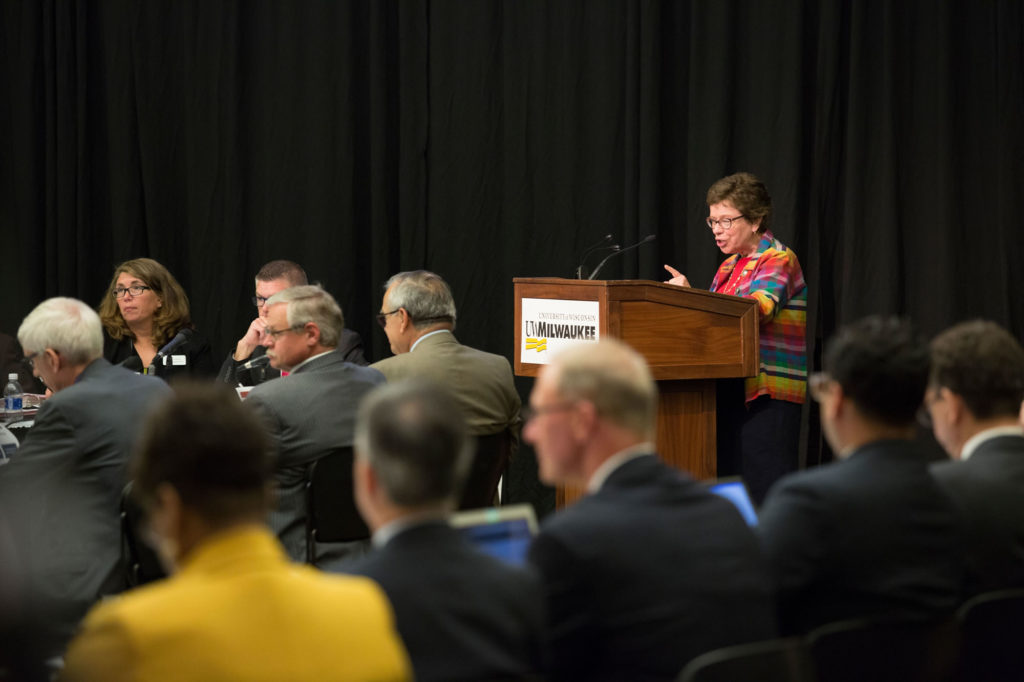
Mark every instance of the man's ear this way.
pixel 404 320
pixel 311 332
pixel 956 407
pixel 584 418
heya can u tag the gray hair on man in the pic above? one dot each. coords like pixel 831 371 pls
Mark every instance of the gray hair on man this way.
pixel 311 303
pixel 614 378
pixel 66 325
pixel 424 295
pixel 413 435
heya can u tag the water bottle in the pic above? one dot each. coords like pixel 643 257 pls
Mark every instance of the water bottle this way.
pixel 13 396
pixel 8 445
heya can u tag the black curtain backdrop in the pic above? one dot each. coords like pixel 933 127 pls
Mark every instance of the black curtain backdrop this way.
pixel 488 140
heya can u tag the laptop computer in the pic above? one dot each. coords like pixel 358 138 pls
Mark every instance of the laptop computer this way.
pixel 502 532
pixel 735 490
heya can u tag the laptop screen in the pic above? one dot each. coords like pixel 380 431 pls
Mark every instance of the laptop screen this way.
pixel 502 532
pixel 734 490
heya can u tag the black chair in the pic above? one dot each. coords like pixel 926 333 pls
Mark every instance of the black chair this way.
pixel 992 630
pixel 773 660
pixel 331 514
pixel 885 649
pixel 138 558
pixel 489 461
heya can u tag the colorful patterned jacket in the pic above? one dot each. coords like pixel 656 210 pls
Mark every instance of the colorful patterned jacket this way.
pixel 773 277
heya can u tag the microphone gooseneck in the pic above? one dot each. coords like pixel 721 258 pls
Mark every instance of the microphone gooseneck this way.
pixel 602 244
pixel 646 240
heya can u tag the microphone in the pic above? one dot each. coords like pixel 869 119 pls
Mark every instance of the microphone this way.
pixel 182 336
pixel 590 249
pixel 649 238
pixel 256 362
pixel 132 363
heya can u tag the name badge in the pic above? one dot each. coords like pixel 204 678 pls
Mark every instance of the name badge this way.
pixel 176 360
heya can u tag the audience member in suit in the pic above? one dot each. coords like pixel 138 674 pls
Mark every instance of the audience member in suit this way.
pixel 273 277
pixel 649 569
pixel 13 361
pixel 462 614
pixel 418 316
pixel 144 308
pixel 973 400
pixel 235 608
pixel 64 483
pixel 871 534
pixel 312 411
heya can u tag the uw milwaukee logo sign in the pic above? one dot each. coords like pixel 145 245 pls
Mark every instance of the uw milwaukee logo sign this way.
pixel 550 325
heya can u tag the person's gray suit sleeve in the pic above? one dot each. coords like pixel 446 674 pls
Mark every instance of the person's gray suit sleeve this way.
pixel 270 419
pixel 44 455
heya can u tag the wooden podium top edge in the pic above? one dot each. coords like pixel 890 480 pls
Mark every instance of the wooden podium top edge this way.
pixel 608 283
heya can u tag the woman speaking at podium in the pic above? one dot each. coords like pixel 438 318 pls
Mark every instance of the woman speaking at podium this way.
pixel 144 311
pixel 759 430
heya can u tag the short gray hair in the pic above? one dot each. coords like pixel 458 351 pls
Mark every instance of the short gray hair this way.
pixel 413 435
pixel 66 325
pixel 614 378
pixel 311 303
pixel 424 295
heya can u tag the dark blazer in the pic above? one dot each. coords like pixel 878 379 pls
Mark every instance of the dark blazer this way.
pixel 309 413
pixel 195 353
pixel 350 345
pixel 64 485
pixel 871 534
pixel 647 573
pixel 462 614
pixel 988 489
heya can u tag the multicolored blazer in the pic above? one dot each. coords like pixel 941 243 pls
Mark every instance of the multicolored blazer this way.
pixel 773 276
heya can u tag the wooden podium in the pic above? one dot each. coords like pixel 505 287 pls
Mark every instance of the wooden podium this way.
pixel 689 337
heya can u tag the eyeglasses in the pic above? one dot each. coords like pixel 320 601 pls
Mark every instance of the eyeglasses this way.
pixel 274 333
pixel 134 290
pixel 924 413
pixel 528 413
pixel 382 318
pixel 260 301
pixel 818 384
pixel 724 223
pixel 30 360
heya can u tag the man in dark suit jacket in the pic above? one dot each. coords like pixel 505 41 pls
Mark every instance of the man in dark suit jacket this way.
pixel 973 399
pixel 312 411
pixel 273 277
pixel 64 483
pixel 462 615
pixel 418 316
pixel 649 569
pixel 871 534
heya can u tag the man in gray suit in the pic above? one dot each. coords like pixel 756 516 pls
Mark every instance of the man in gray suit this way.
pixel 310 412
pixel 418 316
pixel 64 483
pixel 973 398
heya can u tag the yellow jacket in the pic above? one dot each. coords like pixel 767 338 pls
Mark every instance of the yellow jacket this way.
pixel 238 610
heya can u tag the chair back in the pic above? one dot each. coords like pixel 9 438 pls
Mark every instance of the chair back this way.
pixel 885 649
pixel 992 630
pixel 140 562
pixel 331 513
pixel 773 660
pixel 490 458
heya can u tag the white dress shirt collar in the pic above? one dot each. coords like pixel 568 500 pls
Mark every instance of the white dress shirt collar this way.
pixel 977 439
pixel 609 466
